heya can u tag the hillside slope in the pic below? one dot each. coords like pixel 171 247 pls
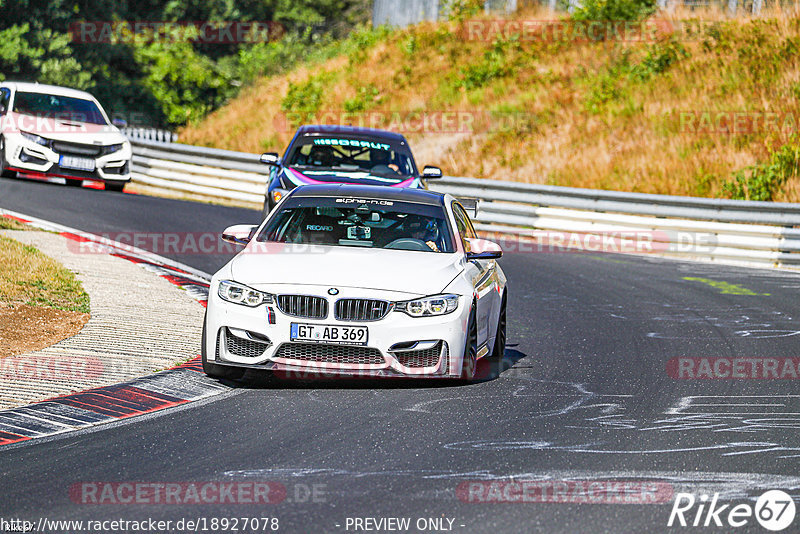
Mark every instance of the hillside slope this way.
pixel 646 115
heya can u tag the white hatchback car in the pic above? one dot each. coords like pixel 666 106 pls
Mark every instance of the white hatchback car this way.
pixel 54 131
pixel 357 281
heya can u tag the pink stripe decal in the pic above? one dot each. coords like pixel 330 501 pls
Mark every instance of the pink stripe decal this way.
pixel 297 176
pixel 302 178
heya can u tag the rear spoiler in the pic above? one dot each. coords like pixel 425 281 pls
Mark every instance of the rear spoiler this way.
pixel 470 204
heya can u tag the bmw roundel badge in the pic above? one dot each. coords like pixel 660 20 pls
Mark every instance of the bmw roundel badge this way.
pixel 333 291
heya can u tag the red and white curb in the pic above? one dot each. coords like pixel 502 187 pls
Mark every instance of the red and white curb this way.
pixel 173 387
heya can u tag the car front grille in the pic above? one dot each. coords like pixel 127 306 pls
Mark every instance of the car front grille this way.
pixel 304 306
pixel 361 309
pixel 75 149
pixel 420 358
pixel 321 353
pixel 244 348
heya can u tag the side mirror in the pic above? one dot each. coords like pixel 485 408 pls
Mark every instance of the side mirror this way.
pixel 119 123
pixel 269 158
pixel 431 173
pixel 481 249
pixel 239 234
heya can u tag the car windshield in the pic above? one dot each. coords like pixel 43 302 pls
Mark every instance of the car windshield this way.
pixel 379 157
pixel 64 108
pixel 367 223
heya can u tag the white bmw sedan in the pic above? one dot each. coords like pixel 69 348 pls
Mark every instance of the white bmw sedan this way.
pixel 349 280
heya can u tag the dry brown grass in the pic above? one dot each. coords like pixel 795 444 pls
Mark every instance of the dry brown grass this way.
pixel 7 223
pixel 28 277
pixel 632 141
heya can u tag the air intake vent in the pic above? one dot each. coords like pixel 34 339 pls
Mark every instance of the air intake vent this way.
pixel 361 309
pixel 321 353
pixel 303 306
pixel 244 348
pixel 420 358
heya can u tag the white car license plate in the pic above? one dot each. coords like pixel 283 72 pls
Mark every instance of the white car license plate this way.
pixel 81 164
pixel 320 333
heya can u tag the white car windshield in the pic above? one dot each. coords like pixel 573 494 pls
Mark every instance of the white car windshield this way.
pixel 63 108
pixel 368 223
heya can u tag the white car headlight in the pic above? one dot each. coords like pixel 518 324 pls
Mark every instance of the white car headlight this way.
pixel 39 140
pixel 428 306
pixel 240 294
pixel 110 149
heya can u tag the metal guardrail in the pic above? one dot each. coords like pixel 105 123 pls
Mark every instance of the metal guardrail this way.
pixel 218 174
pixel 766 233
pixel 150 134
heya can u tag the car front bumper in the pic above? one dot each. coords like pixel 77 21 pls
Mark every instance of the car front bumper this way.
pixel 239 336
pixel 26 156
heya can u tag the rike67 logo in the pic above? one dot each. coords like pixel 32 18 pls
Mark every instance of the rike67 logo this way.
pixel 774 510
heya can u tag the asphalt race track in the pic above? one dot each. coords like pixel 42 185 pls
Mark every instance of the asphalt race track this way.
pixel 582 394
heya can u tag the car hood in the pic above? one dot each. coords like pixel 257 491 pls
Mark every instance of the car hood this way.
pixel 58 130
pixel 328 176
pixel 412 272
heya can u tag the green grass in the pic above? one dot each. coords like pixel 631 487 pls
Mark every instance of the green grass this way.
pixel 29 277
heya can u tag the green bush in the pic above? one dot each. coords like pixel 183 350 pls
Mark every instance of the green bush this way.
pixel 186 84
pixel 366 97
pixel 660 57
pixel 763 181
pixel 306 96
pixel 614 10
pixel 496 63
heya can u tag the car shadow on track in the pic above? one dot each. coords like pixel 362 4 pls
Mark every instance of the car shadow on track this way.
pixel 488 370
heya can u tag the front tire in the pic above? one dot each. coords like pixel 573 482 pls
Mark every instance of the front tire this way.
pixel 217 371
pixel 470 359
pixel 500 337
pixel 5 173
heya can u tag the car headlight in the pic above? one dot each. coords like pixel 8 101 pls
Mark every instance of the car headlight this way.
pixel 428 306
pixel 39 140
pixel 110 149
pixel 240 294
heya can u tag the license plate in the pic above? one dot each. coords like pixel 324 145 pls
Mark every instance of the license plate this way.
pixel 81 164
pixel 339 335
